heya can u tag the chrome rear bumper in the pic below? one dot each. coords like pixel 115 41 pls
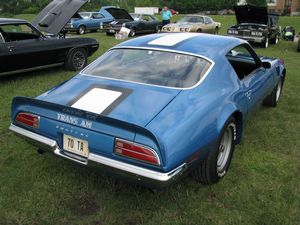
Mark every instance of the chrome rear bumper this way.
pixel 147 177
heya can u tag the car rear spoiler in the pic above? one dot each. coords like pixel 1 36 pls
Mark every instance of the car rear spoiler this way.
pixel 50 110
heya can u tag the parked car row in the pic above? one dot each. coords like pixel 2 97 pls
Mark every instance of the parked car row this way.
pixel 24 47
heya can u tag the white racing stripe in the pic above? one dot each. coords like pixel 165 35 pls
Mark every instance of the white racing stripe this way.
pixel 96 100
pixel 172 39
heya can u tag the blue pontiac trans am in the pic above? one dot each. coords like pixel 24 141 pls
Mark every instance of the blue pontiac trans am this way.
pixel 154 108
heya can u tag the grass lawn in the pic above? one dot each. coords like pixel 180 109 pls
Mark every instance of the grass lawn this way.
pixel 262 186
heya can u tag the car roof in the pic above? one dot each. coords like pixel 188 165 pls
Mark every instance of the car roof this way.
pixel 11 21
pixel 207 45
pixel 194 15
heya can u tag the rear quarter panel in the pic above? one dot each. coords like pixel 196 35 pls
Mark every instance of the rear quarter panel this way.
pixel 192 122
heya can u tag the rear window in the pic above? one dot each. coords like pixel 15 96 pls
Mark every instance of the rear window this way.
pixel 150 67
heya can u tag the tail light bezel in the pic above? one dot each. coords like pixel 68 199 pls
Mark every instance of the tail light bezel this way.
pixel 154 153
pixel 35 124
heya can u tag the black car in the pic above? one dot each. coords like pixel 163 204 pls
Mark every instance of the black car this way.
pixel 137 23
pixel 255 25
pixel 25 48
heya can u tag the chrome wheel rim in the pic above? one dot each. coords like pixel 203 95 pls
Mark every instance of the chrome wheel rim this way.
pixel 78 60
pixel 278 90
pixel 81 30
pixel 132 33
pixel 224 150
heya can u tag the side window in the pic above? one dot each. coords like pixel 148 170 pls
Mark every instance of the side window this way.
pixel 97 16
pixel 200 20
pixel 208 20
pixel 17 32
pixel 153 18
pixel 145 18
pixel 243 61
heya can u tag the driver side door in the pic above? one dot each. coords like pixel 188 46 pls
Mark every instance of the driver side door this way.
pixel 256 81
pixel 26 48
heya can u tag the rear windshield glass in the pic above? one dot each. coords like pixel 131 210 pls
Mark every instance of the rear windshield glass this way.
pixel 150 67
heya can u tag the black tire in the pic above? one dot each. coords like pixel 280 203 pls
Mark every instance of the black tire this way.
pixel 132 32
pixel 109 34
pixel 81 29
pixel 76 59
pixel 158 29
pixel 217 162
pixel 216 31
pixel 275 40
pixel 298 48
pixel 265 43
pixel 199 31
pixel 272 99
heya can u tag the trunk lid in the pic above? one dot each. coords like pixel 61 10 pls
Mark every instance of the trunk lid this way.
pixel 129 102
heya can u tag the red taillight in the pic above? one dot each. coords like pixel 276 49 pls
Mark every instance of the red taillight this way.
pixel 28 119
pixel 136 151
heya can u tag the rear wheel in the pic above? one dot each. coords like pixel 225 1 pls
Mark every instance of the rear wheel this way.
pixel 217 163
pixel 81 29
pixel 275 40
pixel 273 98
pixel 76 59
pixel 109 34
pixel 158 29
pixel 132 32
pixel 199 31
pixel 216 31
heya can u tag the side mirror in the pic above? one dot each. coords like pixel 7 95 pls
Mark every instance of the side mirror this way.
pixel 266 65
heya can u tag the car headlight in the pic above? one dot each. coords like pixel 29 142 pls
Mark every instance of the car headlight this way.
pixel 101 25
pixel 229 31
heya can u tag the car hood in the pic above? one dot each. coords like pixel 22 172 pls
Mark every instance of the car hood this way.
pixel 133 103
pixel 119 14
pixel 56 14
pixel 251 14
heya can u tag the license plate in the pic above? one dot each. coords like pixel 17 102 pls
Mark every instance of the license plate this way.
pixel 76 145
pixel 111 31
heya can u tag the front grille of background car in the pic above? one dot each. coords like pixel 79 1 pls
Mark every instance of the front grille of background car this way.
pixel 244 32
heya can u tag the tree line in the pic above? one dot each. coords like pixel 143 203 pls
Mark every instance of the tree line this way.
pixel 183 6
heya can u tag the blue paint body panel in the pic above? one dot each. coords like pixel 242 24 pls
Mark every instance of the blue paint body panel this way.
pixel 176 123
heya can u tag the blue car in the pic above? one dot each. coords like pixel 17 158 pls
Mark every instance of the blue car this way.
pixel 83 21
pixel 154 108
